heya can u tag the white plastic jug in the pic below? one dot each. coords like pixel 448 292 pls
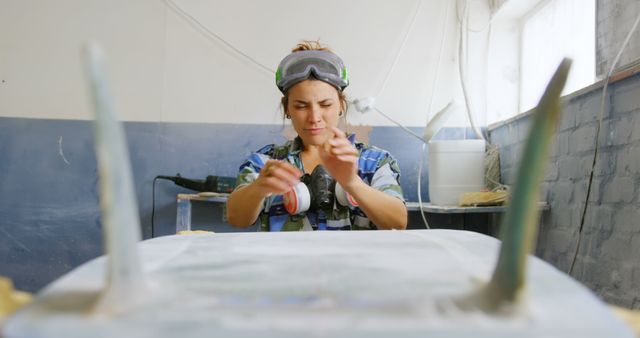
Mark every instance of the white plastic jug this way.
pixel 455 167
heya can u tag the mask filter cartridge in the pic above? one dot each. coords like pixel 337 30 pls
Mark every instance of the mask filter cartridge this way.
pixel 316 192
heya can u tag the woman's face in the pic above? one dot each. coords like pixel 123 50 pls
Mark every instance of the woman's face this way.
pixel 314 107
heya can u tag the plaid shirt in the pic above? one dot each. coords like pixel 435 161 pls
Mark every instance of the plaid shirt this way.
pixel 376 167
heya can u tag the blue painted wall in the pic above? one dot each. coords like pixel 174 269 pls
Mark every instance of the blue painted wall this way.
pixel 49 211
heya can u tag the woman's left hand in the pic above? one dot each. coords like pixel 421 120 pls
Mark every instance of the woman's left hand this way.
pixel 340 158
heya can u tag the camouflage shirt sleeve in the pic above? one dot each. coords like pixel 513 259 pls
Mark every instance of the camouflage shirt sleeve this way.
pixel 381 171
pixel 249 170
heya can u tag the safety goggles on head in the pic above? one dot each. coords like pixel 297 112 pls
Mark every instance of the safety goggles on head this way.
pixel 321 65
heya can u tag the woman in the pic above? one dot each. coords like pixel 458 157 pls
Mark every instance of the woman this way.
pixel 312 80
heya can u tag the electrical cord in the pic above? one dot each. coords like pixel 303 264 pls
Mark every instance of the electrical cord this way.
pixel 153 205
pixel 399 125
pixel 422 213
pixel 597 136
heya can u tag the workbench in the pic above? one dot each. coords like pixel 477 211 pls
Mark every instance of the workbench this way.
pixel 462 218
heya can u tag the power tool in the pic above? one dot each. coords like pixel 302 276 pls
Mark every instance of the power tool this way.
pixel 219 184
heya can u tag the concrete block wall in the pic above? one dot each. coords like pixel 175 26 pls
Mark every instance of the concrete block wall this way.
pixel 607 258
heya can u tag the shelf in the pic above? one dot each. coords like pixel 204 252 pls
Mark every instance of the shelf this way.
pixel 183 217
pixel 441 209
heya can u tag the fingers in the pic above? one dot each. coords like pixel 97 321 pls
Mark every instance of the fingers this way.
pixel 340 147
pixel 340 158
pixel 282 171
pixel 278 176
pixel 337 133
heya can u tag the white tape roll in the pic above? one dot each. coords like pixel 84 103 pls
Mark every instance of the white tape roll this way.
pixel 298 199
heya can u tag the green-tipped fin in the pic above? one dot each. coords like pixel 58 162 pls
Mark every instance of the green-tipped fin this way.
pixel 519 226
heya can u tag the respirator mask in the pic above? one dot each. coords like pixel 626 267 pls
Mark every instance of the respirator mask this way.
pixel 317 191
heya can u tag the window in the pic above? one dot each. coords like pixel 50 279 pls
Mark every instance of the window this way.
pixel 551 31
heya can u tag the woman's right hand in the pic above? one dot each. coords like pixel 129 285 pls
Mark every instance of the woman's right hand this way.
pixel 245 203
pixel 277 177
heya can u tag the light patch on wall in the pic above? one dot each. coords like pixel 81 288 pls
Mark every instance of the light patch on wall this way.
pixel 561 28
pixel 61 152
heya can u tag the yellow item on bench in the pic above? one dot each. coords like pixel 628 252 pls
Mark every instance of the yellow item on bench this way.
pixel 10 299
pixel 483 198
pixel 194 232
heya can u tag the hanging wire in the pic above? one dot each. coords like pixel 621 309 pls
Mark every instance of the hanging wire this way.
pixel 399 125
pixel 213 36
pixel 404 40
pixel 462 74
pixel 429 107
pixel 478 30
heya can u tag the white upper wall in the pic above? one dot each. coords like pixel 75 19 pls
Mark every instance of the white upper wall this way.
pixel 40 56
pixel 167 67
